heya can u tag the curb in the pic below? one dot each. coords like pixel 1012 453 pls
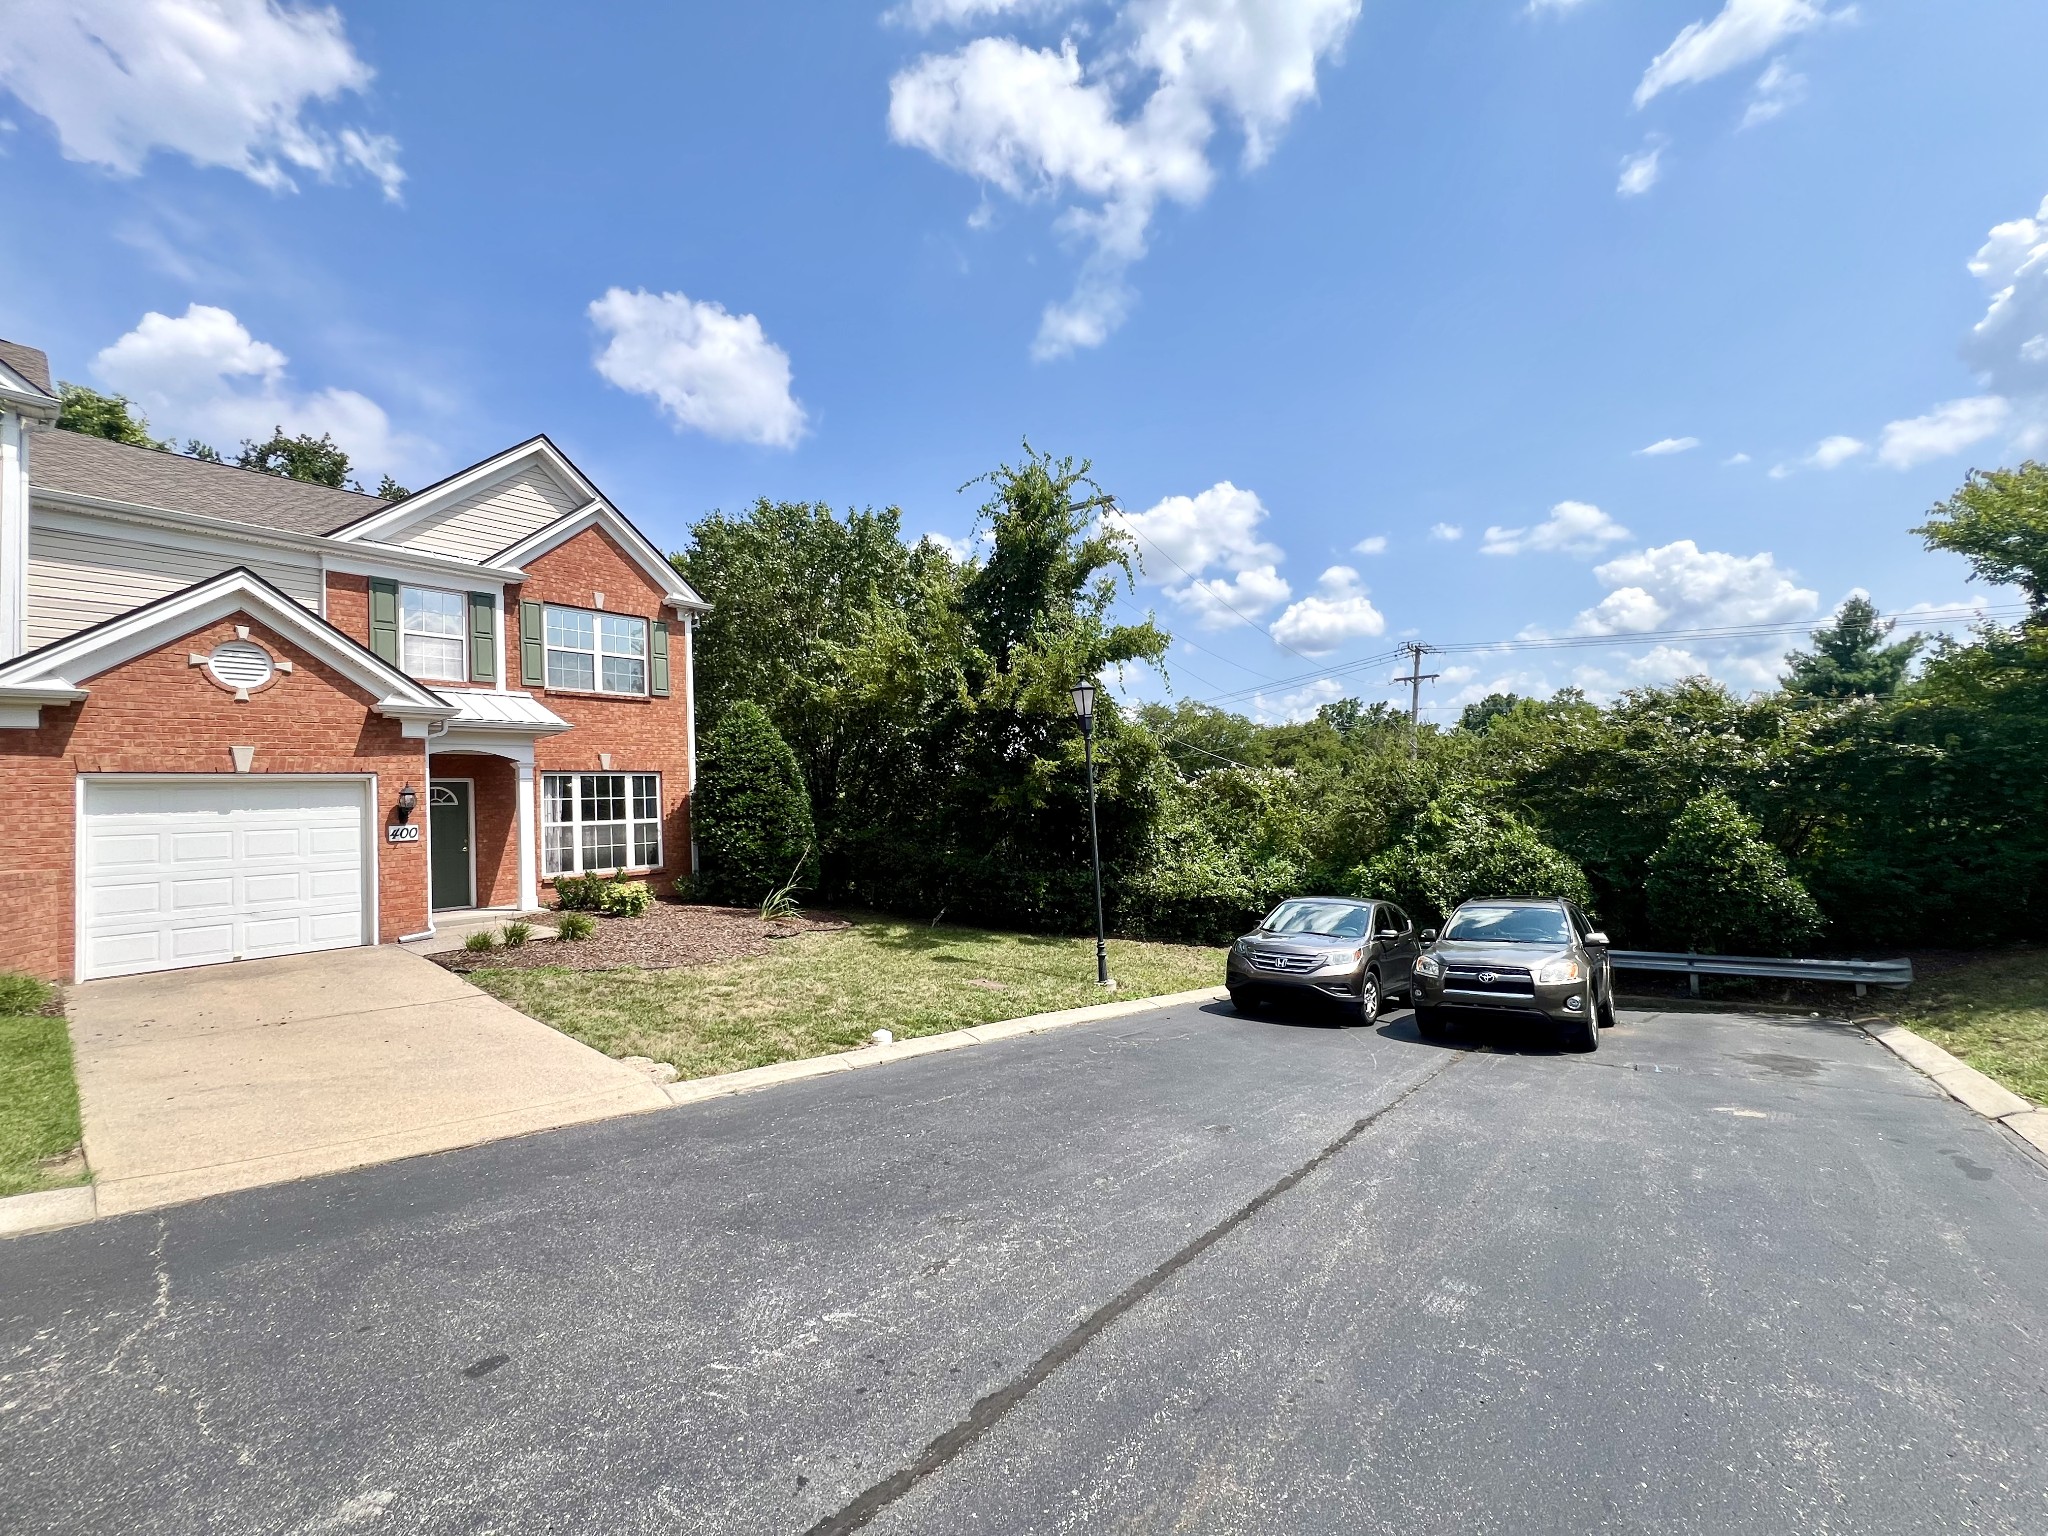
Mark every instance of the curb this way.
pixel 697 1089
pixel 46 1209
pixel 1962 1082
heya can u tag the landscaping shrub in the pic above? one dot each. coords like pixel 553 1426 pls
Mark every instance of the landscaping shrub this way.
pixel 753 815
pixel 580 893
pixel 574 926
pixel 1717 886
pixel 625 898
pixel 516 934
pixel 1458 852
pixel 481 943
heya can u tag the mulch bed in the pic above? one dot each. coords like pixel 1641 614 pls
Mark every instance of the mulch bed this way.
pixel 674 934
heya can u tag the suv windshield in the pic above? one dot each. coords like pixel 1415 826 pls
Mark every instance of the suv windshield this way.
pixel 1510 925
pixel 1324 919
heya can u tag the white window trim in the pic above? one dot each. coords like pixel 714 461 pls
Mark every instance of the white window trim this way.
pixel 632 823
pixel 597 652
pixel 461 635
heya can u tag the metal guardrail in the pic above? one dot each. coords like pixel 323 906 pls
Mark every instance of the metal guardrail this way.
pixel 1865 974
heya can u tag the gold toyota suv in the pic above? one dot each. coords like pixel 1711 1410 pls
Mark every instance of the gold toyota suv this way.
pixel 1534 959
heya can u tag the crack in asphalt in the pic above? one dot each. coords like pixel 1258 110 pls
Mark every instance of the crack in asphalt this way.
pixel 988 1410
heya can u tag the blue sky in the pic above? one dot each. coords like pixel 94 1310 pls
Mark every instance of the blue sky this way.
pixel 1299 276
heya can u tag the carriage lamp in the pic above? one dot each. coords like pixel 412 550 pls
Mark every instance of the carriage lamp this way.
pixel 407 801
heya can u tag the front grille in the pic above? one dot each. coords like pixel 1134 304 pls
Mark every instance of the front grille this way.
pixel 1286 964
pixel 1510 981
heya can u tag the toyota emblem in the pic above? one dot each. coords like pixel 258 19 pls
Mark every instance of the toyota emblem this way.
pixel 1486 978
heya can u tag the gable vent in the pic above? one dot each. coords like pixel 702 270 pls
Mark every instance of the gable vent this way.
pixel 240 664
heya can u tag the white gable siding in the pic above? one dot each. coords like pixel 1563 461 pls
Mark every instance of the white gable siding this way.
pixel 495 518
pixel 80 574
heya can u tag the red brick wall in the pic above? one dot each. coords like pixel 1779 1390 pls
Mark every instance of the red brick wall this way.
pixel 348 606
pixel 495 796
pixel 647 735
pixel 158 714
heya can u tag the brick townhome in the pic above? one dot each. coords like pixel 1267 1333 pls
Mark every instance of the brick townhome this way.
pixel 243 716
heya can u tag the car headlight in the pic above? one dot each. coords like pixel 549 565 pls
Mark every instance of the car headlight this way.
pixel 1428 965
pixel 1557 971
pixel 1338 958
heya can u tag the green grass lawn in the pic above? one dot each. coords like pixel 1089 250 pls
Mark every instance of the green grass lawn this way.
pixel 1993 1014
pixel 39 1129
pixel 825 992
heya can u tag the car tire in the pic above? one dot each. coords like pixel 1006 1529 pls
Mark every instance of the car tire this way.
pixel 1582 1034
pixel 1244 1000
pixel 1431 1022
pixel 1603 1010
pixel 1366 1011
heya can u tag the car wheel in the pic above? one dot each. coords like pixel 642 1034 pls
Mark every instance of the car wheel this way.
pixel 1604 1009
pixel 1582 1034
pixel 1431 1022
pixel 1242 999
pixel 1368 1004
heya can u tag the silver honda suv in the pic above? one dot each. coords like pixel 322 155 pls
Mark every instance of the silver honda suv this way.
pixel 1353 952
pixel 1539 959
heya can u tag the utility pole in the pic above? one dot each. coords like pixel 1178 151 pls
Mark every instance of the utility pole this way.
pixel 1415 650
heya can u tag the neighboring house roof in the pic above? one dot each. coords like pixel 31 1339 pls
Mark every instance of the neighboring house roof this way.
pixel 25 382
pixel 54 673
pixel 78 465
pixel 29 363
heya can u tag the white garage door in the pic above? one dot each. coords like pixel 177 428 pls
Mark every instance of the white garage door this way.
pixel 192 871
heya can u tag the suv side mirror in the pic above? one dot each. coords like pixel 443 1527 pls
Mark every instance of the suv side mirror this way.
pixel 1596 940
pixel 1428 935
pixel 1388 933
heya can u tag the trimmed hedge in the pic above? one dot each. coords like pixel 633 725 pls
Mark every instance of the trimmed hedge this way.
pixel 753 815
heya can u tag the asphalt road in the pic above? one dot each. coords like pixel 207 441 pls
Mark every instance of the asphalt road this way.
pixel 1182 1272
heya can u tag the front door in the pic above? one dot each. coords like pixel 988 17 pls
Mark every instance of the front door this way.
pixel 448 828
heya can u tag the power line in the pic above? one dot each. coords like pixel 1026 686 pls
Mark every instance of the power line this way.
pixel 1416 678
pixel 1118 511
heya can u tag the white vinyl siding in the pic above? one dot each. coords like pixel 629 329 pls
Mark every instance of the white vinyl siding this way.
pixel 492 519
pixel 598 823
pixel 79 576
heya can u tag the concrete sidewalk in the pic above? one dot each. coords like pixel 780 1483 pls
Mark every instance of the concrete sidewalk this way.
pixel 198 1082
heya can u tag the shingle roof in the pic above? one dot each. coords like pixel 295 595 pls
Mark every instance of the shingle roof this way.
pixel 29 363
pixel 96 466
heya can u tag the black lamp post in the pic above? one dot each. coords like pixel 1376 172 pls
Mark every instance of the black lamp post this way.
pixel 1084 706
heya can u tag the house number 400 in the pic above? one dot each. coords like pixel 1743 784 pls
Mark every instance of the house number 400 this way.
pixel 404 833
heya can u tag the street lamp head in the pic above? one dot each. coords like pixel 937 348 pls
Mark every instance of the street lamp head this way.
pixel 1084 700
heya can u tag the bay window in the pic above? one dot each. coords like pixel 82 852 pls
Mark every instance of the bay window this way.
pixel 594 652
pixel 599 823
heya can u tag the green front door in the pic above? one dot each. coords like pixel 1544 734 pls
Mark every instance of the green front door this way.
pixel 448 832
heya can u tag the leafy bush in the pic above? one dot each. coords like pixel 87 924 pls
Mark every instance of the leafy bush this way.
pixel 753 814
pixel 580 893
pixel 575 926
pixel 516 934
pixel 481 943
pixel 1717 886
pixel 21 995
pixel 625 898
pixel 1458 852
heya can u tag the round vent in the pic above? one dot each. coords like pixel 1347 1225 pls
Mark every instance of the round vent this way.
pixel 241 664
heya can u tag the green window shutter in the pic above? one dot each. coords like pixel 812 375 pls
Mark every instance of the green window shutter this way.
pixel 532 647
pixel 384 619
pixel 657 670
pixel 483 638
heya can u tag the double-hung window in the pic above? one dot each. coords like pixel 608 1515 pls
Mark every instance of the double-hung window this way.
pixel 596 652
pixel 432 631
pixel 597 823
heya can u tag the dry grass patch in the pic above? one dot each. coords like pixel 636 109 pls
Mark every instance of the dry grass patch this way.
pixel 825 992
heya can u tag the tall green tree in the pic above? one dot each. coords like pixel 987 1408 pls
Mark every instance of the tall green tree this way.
pixel 1998 521
pixel 1850 657
pixel 1717 886
pixel 753 819
pixel 114 417
pixel 297 456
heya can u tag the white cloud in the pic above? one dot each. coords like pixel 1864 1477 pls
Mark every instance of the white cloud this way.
pixel 1573 528
pixel 1778 88
pixel 1337 612
pixel 959 549
pixel 1743 32
pixel 1219 603
pixel 225 83
pixel 1734 459
pixel 1375 545
pixel 201 374
pixel 1641 171
pixel 1681 586
pixel 2009 346
pixel 1553 7
pixel 1293 708
pixel 1449 533
pixel 1038 125
pixel 1945 430
pixel 712 371
pixel 1834 452
pixel 924 15
pixel 1181 539
pixel 1668 445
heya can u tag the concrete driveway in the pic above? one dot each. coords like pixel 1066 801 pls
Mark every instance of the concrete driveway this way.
pixel 198 1082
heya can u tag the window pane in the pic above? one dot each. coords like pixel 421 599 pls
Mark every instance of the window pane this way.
pixel 624 636
pixel 558 850
pixel 647 796
pixel 426 612
pixel 571 669
pixel 646 843
pixel 604 797
pixel 429 656
pixel 604 848
pixel 569 628
pixel 560 796
pixel 624 675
